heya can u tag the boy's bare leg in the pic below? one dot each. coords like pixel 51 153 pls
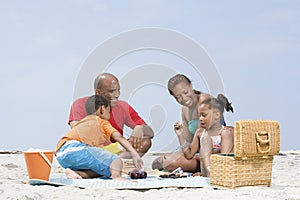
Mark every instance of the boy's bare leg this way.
pixel 116 170
pixel 72 174
pixel 80 174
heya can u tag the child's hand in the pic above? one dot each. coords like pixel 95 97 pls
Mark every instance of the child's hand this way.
pixel 137 161
pixel 178 128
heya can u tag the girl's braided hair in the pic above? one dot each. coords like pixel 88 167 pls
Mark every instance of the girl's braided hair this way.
pixel 220 103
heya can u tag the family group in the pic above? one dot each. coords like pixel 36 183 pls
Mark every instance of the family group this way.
pixel 97 121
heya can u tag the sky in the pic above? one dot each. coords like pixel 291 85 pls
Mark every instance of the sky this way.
pixel 248 50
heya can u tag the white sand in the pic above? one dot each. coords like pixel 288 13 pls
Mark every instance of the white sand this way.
pixel 13 184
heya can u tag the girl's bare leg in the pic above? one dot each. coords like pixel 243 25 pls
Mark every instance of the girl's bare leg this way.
pixel 206 147
pixel 227 141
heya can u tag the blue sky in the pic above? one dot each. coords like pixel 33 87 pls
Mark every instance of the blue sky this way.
pixel 254 45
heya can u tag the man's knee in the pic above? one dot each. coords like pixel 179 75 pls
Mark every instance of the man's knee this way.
pixel 146 144
pixel 143 131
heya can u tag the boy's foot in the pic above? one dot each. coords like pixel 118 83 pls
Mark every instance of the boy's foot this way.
pixel 72 174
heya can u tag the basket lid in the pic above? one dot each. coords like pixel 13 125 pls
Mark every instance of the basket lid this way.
pixel 256 138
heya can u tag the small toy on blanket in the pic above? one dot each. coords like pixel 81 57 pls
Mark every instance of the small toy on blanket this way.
pixel 177 173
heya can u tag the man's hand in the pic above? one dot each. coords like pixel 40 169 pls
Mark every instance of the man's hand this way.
pixel 140 138
pixel 136 142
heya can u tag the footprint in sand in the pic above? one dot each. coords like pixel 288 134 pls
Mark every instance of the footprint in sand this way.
pixel 33 196
pixel 10 165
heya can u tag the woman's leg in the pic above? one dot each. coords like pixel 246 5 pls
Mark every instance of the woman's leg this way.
pixel 171 161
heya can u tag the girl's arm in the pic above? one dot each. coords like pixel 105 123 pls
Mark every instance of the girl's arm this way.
pixel 138 162
pixel 188 149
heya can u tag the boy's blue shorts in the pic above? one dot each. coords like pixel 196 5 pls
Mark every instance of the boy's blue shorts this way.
pixel 79 156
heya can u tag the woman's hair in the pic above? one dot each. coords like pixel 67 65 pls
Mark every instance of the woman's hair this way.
pixel 220 103
pixel 178 78
pixel 94 102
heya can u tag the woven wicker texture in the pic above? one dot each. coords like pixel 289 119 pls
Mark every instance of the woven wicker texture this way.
pixel 127 166
pixel 255 143
pixel 228 172
pixel 256 138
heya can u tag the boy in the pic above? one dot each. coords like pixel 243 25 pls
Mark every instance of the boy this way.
pixel 80 150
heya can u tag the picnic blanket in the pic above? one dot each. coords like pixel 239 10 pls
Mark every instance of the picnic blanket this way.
pixel 151 182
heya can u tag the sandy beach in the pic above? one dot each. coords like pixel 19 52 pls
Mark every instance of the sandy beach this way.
pixel 14 184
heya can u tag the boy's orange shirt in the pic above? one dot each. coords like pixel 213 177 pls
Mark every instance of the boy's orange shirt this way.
pixel 91 130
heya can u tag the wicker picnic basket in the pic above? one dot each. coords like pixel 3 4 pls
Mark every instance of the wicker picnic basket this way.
pixel 254 138
pixel 255 143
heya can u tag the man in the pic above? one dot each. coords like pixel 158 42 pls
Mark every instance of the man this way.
pixel 122 113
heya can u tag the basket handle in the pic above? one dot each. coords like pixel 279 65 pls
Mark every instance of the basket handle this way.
pixel 45 158
pixel 261 141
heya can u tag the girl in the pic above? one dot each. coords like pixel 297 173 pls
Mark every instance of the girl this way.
pixel 211 136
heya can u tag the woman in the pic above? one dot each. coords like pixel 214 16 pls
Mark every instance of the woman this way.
pixel 180 87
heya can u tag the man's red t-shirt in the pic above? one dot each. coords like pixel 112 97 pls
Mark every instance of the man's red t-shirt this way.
pixel 120 115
